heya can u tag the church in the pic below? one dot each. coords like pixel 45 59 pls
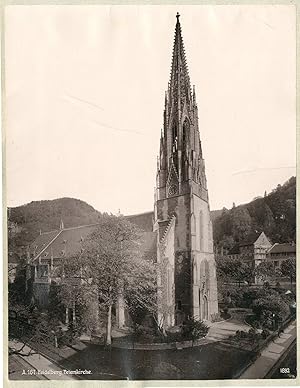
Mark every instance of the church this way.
pixel 178 231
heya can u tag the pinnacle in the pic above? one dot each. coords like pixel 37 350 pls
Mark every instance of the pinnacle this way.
pixel 179 62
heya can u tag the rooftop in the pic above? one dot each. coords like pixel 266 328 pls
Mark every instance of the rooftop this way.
pixel 283 248
pixel 67 242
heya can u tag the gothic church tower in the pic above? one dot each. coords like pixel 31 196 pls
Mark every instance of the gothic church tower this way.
pixel 181 198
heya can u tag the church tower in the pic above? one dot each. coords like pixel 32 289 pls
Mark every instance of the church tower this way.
pixel 181 197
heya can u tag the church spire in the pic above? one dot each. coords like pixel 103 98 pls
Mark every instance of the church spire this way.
pixel 180 156
pixel 180 88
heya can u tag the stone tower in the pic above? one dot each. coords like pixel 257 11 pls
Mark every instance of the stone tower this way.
pixel 181 194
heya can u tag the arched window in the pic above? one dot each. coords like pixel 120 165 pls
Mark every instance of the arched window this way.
pixel 204 276
pixel 185 133
pixel 179 305
pixel 195 272
pixel 201 231
pixel 174 138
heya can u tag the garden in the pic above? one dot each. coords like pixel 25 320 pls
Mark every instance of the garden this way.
pixel 263 308
pixel 145 333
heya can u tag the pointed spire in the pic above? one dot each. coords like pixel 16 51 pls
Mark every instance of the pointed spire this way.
pixel 61 225
pixel 179 80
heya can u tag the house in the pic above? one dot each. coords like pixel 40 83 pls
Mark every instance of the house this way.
pixel 281 252
pixel 252 251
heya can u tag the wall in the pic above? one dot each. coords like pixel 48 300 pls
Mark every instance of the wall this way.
pixel 203 261
pixel 166 278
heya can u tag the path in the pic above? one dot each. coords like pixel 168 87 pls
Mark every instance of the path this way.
pixel 219 331
pixel 40 363
pixel 271 354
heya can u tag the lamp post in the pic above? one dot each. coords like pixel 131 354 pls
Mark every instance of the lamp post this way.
pixel 273 322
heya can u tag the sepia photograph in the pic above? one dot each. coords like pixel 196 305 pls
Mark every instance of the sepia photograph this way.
pixel 150 192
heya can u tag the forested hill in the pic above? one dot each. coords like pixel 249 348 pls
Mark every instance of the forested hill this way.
pixel 275 214
pixel 46 216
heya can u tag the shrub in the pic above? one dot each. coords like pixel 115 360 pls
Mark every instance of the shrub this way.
pixel 277 286
pixel 269 307
pixel 265 333
pixel 194 329
pixel 215 317
pixel 144 333
pixel 252 334
pixel 236 298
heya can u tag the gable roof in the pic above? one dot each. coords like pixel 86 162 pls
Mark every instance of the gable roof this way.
pixel 61 243
pixel 262 241
pixel 283 248
pixel 66 242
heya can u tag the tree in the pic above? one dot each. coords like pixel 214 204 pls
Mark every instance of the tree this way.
pixel 270 308
pixel 111 266
pixel 229 269
pixel 30 328
pixel 241 223
pixel 275 214
pixel 288 268
pixel 266 270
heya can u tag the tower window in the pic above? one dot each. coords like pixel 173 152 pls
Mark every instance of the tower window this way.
pixel 179 305
pixel 185 132
pixel 175 138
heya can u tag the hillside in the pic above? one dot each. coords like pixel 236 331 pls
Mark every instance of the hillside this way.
pixel 275 214
pixel 46 216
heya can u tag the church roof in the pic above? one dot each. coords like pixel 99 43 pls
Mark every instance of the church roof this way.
pixel 61 243
pixel 144 221
pixel 66 242
pixel 149 245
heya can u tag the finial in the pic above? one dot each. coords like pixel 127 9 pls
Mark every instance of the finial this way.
pixel 177 16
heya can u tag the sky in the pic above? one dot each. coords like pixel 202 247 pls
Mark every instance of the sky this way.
pixel 84 97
